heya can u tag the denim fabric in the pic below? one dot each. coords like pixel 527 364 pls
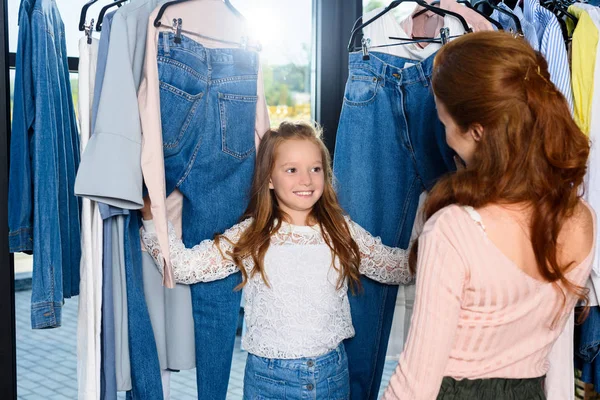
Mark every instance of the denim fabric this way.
pixel 587 347
pixel 145 369
pixel 390 146
pixel 44 156
pixel 208 108
pixel 322 378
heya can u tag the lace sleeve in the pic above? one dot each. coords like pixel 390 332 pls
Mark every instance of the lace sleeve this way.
pixel 203 262
pixel 380 262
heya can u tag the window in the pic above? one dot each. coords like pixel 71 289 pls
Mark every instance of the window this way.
pixel 284 29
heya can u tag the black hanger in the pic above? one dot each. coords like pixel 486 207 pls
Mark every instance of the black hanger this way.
pixel 396 3
pixel 503 11
pixel 488 18
pixel 469 5
pixel 104 10
pixel 157 22
pixel 83 12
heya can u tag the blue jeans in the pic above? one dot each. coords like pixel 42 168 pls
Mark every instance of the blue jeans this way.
pixel 44 156
pixel 145 369
pixel 208 107
pixel 587 347
pixel 390 146
pixel 321 378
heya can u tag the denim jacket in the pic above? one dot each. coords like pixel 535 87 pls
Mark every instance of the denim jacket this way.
pixel 44 156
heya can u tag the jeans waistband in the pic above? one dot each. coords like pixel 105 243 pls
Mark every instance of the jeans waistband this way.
pixel 232 56
pixel 392 68
pixel 332 357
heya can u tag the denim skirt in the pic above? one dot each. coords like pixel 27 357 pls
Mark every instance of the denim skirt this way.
pixel 322 378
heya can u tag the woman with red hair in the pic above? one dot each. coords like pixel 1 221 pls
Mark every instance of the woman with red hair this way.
pixel 508 242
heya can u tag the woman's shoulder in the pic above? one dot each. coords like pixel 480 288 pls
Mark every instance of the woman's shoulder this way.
pixel 448 220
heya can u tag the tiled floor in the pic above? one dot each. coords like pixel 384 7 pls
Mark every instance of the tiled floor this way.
pixel 46 360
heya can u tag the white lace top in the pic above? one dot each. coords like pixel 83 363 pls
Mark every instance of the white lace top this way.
pixel 301 314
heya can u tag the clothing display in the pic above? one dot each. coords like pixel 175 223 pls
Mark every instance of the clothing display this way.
pixel 90 288
pixel 171 116
pixel 198 86
pixel 43 214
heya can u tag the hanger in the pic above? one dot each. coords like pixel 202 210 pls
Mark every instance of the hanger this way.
pixel 82 15
pixel 487 17
pixel 502 11
pixel 103 11
pixel 157 22
pixel 394 4
pixel 469 5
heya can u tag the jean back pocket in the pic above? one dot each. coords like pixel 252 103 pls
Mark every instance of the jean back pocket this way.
pixel 238 115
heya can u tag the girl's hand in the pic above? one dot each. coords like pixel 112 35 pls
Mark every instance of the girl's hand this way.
pixel 146 212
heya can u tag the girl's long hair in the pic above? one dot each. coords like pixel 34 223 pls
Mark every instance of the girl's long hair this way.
pixel 267 217
pixel 531 152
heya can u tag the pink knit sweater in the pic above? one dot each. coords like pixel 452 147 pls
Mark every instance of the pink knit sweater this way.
pixel 477 314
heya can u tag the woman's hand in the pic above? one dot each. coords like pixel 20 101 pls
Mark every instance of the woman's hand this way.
pixel 146 211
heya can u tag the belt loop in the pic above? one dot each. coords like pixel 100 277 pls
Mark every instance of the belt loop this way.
pixel 165 37
pixel 271 363
pixel 339 352
pixel 422 73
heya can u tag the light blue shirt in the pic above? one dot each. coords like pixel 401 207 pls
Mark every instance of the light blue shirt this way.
pixel 552 46
pixel 508 23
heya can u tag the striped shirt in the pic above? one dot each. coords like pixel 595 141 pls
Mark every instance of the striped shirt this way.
pixel 552 46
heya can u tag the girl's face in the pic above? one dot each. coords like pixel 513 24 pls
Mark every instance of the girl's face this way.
pixel 297 178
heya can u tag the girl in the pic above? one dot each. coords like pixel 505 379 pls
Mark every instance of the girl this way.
pixel 509 243
pixel 297 253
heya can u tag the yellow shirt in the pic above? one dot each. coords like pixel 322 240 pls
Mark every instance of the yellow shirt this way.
pixel 584 45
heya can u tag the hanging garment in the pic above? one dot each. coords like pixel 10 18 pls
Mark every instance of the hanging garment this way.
pixel 170 309
pixel 551 45
pixel 402 25
pixel 90 288
pixel 461 275
pixel 44 155
pixel 108 357
pixel 217 101
pixel 387 109
pixel 229 143
pixel 584 45
pixel 405 299
pixel 592 175
pixel 111 173
pixel 587 348
pixel 529 30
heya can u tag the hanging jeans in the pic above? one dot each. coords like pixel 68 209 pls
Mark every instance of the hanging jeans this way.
pixel 208 108
pixel 145 370
pixel 390 146
pixel 587 347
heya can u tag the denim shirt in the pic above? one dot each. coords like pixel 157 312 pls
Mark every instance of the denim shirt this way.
pixel 44 156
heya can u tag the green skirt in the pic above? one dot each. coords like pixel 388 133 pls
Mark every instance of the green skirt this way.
pixel 492 389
